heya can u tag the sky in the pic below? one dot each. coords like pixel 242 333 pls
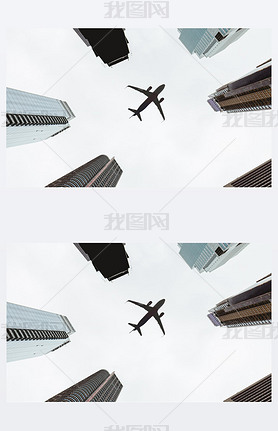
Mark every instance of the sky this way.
pixel 152 153
pixel 195 360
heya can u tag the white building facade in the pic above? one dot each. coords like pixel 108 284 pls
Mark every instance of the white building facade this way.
pixel 206 42
pixel 206 257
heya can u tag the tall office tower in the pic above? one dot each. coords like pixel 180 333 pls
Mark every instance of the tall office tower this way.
pixel 209 256
pixel 33 118
pixel 206 42
pixel 259 392
pixel 32 332
pixel 250 307
pixel 110 44
pixel 98 172
pixel 257 177
pixel 252 92
pixel 110 259
pixel 99 387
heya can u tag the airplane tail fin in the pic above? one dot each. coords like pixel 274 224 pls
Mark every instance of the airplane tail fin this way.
pixel 136 328
pixel 135 113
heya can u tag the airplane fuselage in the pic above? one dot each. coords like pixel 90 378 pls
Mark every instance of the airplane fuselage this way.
pixel 151 313
pixel 151 98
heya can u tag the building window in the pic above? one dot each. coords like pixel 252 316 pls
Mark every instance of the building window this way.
pixel 219 36
pixel 219 251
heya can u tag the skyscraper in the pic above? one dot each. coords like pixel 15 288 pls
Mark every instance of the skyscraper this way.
pixel 257 177
pixel 251 307
pixel 99 387
pixel 98 172
pixel 209 256
pixel 110 259
pixel 252 92
pixel 259 392
pixel 32 332
pixel 110 44
pixel 33 118
pixel 206 42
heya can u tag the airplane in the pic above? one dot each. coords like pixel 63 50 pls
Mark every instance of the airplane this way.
pixel 151 97
pixel 151 312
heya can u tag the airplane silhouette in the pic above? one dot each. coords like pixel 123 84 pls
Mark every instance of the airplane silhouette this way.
pixel 151 97
pixel 151 312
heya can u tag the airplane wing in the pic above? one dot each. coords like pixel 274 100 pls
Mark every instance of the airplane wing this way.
pixel 159 108
pixel 146 92
pixel 146 307
pixel 157 318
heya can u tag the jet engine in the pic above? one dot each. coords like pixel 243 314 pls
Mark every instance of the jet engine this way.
pixel 161 100
pixel 149 303
pixel 161 314
pixel 148 89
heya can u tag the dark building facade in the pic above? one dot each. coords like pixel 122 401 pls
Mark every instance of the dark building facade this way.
pixel 110 259
pixel 261 176
pixel 99 387
pixel 259 392
pixel 99 172
pixel 110 44
pixel 252 92
pixel 251 307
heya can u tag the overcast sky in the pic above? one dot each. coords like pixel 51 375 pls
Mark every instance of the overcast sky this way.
pixel 151 153
pixel 152 368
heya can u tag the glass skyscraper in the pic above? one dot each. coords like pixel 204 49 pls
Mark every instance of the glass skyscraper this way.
pixel 206 42
pixel 251 92
pixel 99 387
pixel 250 307
pixel 209 256
pixel 98 172
pixel 33 118
pixel 32 332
